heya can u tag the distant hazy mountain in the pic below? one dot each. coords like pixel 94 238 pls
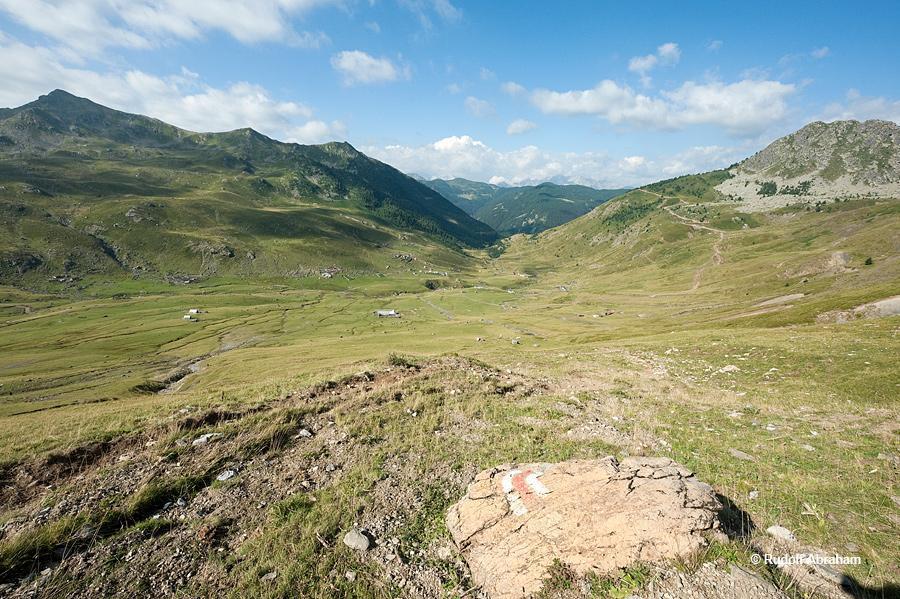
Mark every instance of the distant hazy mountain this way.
pixel 528 209
pixel 84 188
pixel 821 160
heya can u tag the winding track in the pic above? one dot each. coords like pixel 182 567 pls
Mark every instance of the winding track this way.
pixel 716 259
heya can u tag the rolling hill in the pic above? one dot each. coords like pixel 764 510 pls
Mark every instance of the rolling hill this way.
pixel 528 209
pixel 813 253
pixel 86 189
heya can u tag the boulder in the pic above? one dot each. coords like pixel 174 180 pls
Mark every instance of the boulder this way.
pixel 591 515
pixel 357 539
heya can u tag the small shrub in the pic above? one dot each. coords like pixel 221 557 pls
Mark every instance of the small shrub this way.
pixel 769 188
pixel 401 361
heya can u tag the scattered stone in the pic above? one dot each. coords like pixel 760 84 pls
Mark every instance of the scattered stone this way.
pixel 226 475
pixel 737 453
pixel 712 580
pixel 729 368
pixel 753 495
pixel 807 447
pixel 269 577
pixel 205 438
pixel 891 458
pixel 516 341
pixel 593 515
pixel 350 575
pixel 357 539
pixel 780 532
pixel 444 553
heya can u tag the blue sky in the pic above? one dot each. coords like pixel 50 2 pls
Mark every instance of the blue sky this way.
pixel 607 93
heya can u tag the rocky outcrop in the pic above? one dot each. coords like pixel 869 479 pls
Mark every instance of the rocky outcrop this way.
pixel 591 515
pixel 820 162
pixel 868 152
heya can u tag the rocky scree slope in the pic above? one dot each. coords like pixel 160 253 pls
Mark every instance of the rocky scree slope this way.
pixel 820 162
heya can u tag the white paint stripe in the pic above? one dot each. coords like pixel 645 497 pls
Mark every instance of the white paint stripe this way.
pixel 535 485
pixel 507 481
pixel 512 496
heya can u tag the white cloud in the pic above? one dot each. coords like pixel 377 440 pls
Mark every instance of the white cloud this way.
pixel 478 107
pixel 314 132
pixel 423 9
pixel 447 11
pixel 700 159
pixel 86 27
pixel 819 53
pixel 667 54
pixel 373 26
pixel 632 163
pixel 486 74
pixel 745 107
pixel 642 64
pixel 519 126
pixel 357 67
pixel 859 107
pixel 463 156
pixel 714 45
pixel 512 88
pixel 454 88
pixel 181 99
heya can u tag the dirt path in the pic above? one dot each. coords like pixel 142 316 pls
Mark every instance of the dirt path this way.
pixel 442 311
pixel 715 260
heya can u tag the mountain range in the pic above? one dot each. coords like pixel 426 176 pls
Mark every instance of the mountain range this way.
pixel 526 209
pixel 84 188
pixel 87 190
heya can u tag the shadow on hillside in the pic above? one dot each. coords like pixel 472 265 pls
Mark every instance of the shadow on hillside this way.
pixel 739 526
pixel 858 591
pixel 735 522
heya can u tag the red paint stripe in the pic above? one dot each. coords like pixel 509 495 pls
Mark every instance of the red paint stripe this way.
pixel 519 484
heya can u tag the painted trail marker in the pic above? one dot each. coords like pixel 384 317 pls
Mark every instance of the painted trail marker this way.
pixel 521 487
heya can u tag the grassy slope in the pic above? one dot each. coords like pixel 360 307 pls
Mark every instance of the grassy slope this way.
pixel 682 275
pixel 84 189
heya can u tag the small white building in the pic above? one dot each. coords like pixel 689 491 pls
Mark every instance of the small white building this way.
pixel 387 314
pixel 194 311
pixel 188 317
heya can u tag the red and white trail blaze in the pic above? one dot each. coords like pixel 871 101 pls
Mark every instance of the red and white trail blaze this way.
pixel 522 487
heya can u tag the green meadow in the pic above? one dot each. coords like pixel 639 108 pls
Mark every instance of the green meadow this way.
pixel 692 328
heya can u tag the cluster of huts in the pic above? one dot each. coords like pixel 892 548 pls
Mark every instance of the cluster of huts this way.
pixel 192 314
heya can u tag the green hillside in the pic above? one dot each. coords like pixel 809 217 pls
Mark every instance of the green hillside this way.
pixel 753 347
pixel 528 209
pixel 89 190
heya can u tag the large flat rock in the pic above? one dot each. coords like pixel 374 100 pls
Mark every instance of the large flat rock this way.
pixel 592 515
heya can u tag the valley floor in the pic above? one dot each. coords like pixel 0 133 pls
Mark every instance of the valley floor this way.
pixel 751 381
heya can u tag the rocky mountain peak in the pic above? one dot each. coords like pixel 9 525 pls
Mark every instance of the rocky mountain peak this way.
pixel 820 162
